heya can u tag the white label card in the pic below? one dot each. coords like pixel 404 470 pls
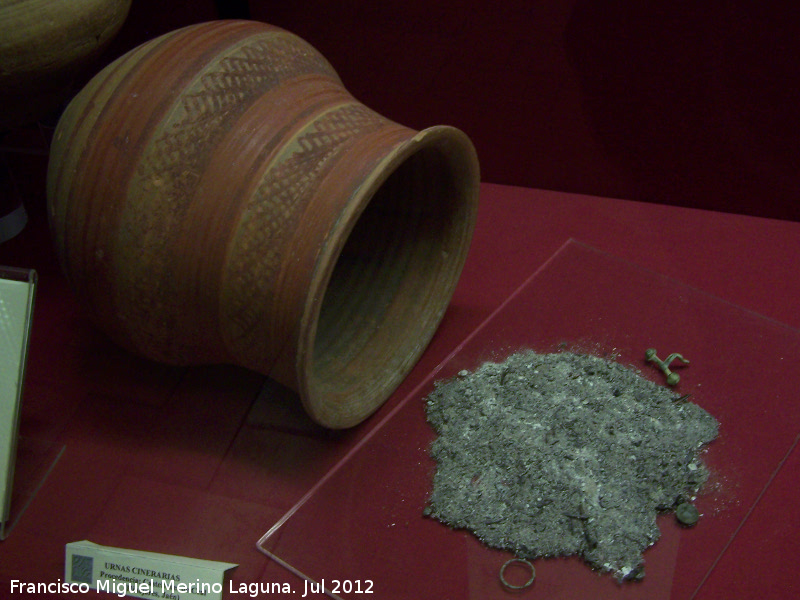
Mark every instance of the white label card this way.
pixel 17 288
pixel 143 574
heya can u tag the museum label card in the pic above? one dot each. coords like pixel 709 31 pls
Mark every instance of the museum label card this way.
pixel 143 574
pixel 17 289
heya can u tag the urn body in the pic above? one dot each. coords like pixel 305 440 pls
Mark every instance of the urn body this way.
pixel 217 196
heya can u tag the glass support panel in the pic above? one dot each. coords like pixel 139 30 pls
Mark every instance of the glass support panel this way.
pixel 363 521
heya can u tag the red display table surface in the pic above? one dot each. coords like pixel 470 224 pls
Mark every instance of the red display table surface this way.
pixel 202 461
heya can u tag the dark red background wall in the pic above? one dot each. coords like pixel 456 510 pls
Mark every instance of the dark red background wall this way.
pixel 687 103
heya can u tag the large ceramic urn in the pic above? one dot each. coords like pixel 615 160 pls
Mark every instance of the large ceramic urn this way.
pixel 43 45
pixel 217 196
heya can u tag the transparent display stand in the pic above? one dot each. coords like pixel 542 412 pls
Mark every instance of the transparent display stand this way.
pixel 363 522
pixel 24 463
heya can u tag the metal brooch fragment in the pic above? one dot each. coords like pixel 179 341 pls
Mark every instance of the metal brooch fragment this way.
pixel 672 378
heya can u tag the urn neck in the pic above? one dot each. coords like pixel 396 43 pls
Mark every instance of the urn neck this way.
pixel 385 272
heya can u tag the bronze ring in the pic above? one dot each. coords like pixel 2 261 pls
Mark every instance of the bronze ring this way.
pixel 511 586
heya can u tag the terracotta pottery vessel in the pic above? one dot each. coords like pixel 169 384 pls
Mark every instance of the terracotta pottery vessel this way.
pixel 43 45
pixel 217 196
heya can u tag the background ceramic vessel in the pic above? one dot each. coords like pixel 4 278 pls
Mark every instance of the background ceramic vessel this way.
pixel 217 196
pixel 43 44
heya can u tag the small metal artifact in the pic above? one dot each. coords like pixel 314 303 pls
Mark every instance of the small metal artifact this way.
pixel 511 586
pixel 687 514
pixel 672 378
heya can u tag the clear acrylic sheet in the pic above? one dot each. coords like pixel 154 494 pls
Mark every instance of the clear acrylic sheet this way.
pixel 24 463
pixel 363 521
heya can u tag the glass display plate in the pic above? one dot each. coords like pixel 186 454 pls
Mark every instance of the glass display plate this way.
pixel 363 522
pixel 24 463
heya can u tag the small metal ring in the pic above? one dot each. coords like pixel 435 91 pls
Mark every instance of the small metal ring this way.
pixel 511 586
